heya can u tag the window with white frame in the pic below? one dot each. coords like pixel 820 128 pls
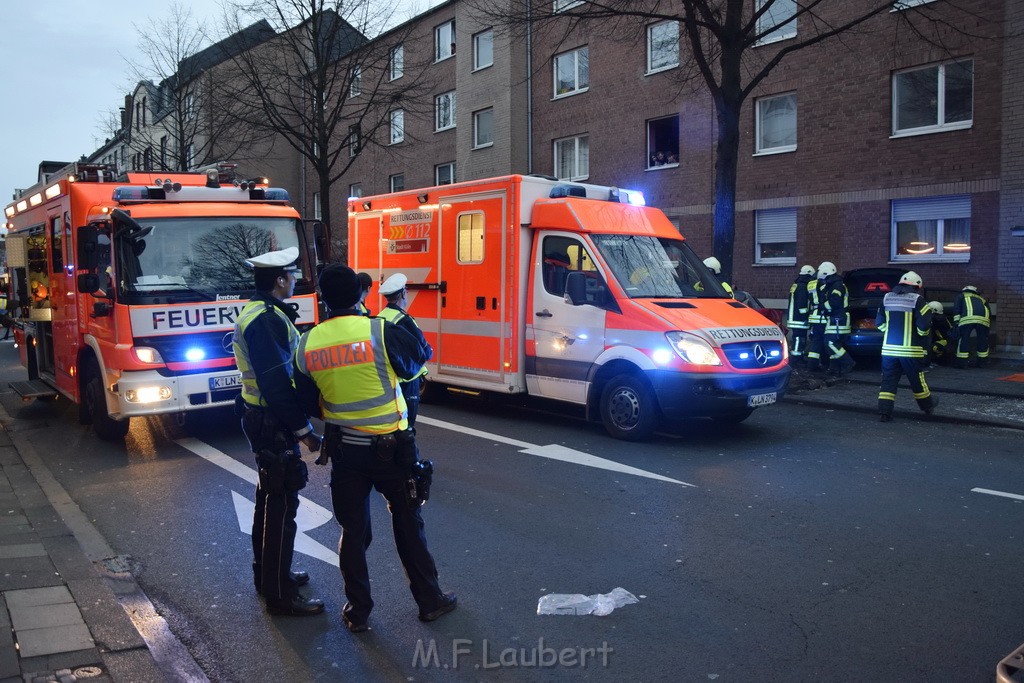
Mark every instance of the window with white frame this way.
pixel 778 22
pixel 483 128
pixel 776 124
pixel 444 111
pixel 775 237
pixel 316 206
pixel 662 46
pixel 562 5
pixel 470 238
pixel 353 140
pixel 933 98
pixel 572 158
pixel 355 84
pixel 663 142
pixel 396 65
pixel 190 106
pixel 397 126
pixel 483 49
pixel 932 229
pixel 444 174
pixel 572 72
pixel 355 190
pixel 397 182
pixel 444 40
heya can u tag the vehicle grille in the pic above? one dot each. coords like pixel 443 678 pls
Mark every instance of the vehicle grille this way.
pixel 754 355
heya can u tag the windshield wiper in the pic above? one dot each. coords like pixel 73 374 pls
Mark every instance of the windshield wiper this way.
pixel 177 288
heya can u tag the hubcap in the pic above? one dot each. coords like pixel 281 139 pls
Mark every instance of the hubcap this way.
pixel 624 408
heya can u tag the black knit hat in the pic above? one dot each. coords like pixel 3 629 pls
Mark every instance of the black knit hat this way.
pixel 339 286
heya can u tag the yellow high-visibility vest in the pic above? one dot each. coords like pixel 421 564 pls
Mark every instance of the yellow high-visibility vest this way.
pixel 250 390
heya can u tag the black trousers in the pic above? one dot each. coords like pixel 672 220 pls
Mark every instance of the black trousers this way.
pixel 799 348
pixel 892 369
pixel 817 352
pixel 357 470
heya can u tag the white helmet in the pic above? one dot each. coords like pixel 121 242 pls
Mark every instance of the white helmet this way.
pixel 825 269
pixel 807 270
pixel 970 288
pixel 911 278
pixel 935 306
pixel 712 263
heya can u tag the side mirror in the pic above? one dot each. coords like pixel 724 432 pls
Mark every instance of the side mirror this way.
pixel 576 289
pixel 88 249
pixel 322 242
pixel 88 283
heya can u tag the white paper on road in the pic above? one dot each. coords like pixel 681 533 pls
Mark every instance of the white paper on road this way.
pixel 577 604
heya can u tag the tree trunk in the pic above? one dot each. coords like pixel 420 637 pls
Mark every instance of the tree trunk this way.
pixel 726 157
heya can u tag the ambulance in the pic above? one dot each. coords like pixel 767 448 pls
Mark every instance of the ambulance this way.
pixel 125 291
pixel 573 292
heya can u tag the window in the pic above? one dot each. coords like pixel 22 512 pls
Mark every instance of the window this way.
pixel 471 238
pixel 572 72
pixel 397 126
pixel 778 22
pixel 562 5
pixel 163 152
pixel 933 98
pixel 932 229
pixel 353 140
pixel 662 46
pixel 57 254
pixel 355 190
pixel 663 142
pixel 775 236
pixel 190 106
pixel 396 65
pixel 572 158
pixel 190 155
pixel 355 84
pixel 561 256
pixel 444 111
pixel 483 128
pixel 147 159
pixel 397 182
pixel 444 174
pixel 776 124
pixel 444 41
pixel 483 49
pixel 316 206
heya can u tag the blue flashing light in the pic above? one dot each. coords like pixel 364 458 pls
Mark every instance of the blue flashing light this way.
pixel 276 194
pixel 195 354
pixel 128 193
pixel 635 197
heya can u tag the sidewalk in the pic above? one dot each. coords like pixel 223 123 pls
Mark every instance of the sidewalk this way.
pixel 993 395
pixel 59 617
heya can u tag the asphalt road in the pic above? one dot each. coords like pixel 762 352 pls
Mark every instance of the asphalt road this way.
pixel 804 544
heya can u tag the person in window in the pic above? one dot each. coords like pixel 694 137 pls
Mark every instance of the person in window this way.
pixel 658 159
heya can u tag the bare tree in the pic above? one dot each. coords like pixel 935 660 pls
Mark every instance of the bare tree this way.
pixel 722 36
pixel 323 86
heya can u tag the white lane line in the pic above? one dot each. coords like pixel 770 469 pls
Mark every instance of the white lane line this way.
pixel 552 451
pixel 990 492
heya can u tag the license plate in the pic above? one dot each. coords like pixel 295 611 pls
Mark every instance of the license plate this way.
pixel 762 399
pixel 226 382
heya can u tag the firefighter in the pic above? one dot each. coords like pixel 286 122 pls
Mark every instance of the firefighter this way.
pixel 835 302
pixel 942 332
pixel 715 267
pixel 393 289
pixel 365 282
pixel 348 367
pixel 797 314
pixel 971 316
pixel 817 354
pixel 905 321
pixel 273 421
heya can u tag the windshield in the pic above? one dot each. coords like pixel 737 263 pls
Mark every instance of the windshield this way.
pixel 198 257
pixel 656 267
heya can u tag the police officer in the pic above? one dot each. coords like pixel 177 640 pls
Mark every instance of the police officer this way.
pixel 971 316
pixel 393 289
pixel 817 320
pixel 797 314
pixel 905 321
pixel 715 266
pixel 264 342
pixel 365 283
pixel 835 302
pixel 350 366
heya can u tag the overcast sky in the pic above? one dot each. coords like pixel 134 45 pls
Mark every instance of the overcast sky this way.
pixel 63 69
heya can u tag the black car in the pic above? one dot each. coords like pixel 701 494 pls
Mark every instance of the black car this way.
pixel 867 288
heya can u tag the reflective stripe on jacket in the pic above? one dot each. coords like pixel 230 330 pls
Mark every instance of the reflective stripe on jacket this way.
pixel 971 309
pixel 249 313
pixel 799 304
pixel 816 313
pixel 905 320
pixel 347 359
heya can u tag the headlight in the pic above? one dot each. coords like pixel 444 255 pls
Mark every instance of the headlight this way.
pixel 692 349
pixel 146 354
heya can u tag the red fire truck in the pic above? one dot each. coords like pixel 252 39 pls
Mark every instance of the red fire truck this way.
pixel 124 291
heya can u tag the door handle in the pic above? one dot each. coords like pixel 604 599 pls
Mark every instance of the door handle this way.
pixel 544 314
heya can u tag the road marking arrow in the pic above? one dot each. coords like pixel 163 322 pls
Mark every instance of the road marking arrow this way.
pixel 309 516
pixel 552 451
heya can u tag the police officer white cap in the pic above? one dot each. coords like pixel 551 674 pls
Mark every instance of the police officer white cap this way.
pixel 393 284
pixel 282 258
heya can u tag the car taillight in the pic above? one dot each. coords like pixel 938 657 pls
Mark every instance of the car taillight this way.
pixel 865 324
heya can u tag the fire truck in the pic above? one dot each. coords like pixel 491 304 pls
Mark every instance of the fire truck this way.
pixel 124 291
pixel 573 292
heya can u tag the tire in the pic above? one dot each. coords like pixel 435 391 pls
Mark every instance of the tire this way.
pixel 432 392
pixel 734 418
pixel 106 427
pixel 629 410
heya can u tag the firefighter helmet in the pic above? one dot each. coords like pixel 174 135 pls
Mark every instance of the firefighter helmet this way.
pixel 712 263
pixel 807 270
pixel 825 269
pixel 935 306
pixel 911 278
pixel 970 288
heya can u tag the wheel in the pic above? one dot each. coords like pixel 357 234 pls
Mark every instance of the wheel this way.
pixel 106 427
pixel 431 392
pixel 629 410
pixel 734 418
